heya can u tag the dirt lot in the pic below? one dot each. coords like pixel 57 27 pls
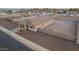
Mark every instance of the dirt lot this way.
pixel 67 18
pixel 51 42
pixel 8 24
pixel 63 26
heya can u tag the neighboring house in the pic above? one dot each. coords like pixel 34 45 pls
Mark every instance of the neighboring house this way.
pixel 39 22
pixel 35 22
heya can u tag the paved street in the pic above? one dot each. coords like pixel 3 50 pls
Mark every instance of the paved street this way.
pixel 9 44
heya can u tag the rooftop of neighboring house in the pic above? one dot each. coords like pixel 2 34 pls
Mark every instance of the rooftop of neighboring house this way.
pixel 40 19
pixel 34 20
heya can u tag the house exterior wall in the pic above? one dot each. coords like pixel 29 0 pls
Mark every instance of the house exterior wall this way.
pixel 40 26
pixel 44 24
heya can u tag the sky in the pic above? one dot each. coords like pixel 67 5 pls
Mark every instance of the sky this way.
pixel 39 3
